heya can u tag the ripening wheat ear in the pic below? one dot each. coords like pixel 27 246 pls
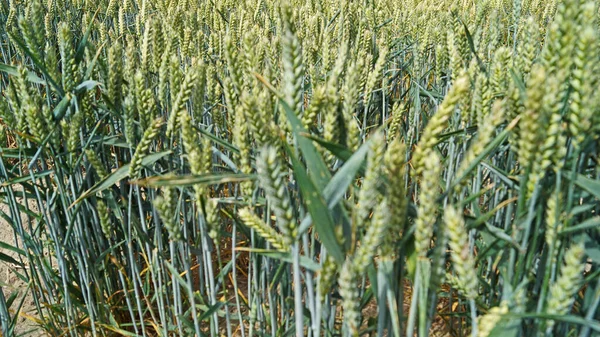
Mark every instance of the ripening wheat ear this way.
pixel 485 134
pixel 439 122
pixel 428 194
pixel 375 76
pixel 259 125
pixel 115 74
pixel 96 163
pixel 185 91
pixel 104 216
pixel 564 290
pixel 554 223
pixel 529 130
pixel 500 77
pixel 329 269
pixel 351 92
pixel 528 46
pixel 273 180
pixel 394 162
pixel 350 297
pixel 251 220
pixel 372 238
pixel 585 63
pixel 398 113
pixel 488 322
pixel 369 194
pixel 150 134
pixel 462 258
pixel 293 68
pixel 67 55
pixel 166 208
pixel 242 141
pixel 32 27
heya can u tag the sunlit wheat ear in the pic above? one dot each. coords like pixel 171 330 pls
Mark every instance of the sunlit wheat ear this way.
pixel 369 194
pixel 30 27
pixel 175 76
pixel 554 222
pixel 455 61
pixel 166 208
pixel 51 60
pixel 442 55
pixel 327 276
pixel 37 16
pixel 234 63
pixel 331 119
pixel 96 163
pixel 74 130
pixel 373 237
pixel 563 291
pixel 138 89
pixel 560 40
pixel 554 146
pixel 190 142
pixel 529 131
pixel 14 114
pixel 488 322
pixel 273 180
pixel 115 74
pixel 251 220
pixel 351 92
pixel 399 111
pixel 7 116
pixel 485 134
pixel 29 109
pixel 585 62
pixel 550 134
pixel 241 140
pixel 528 46
pixel 500 78
pixel 427 210
pixel 394 161
pixel 439 122
pixel 12 14
pixel 213 220
pixel 350 297
pixel 178 106
pixel 375 76
pixel 293 69
pixel 67 54
pixel 22 89
pixel 259 126
pixel 141 150
pixel 462 258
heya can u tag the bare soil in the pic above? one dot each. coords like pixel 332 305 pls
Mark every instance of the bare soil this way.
pixel 10 281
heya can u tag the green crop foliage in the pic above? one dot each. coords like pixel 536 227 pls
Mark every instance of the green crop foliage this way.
pixel 308 168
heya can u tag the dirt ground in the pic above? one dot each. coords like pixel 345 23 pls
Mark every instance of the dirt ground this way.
pixel 12 283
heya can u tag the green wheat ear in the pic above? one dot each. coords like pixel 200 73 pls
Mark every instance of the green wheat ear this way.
pixel 273 180
pixel 369 195
pixel 462 258
pixel 251 220
pixel 166 208
pixel 439 122
pixel 350 297
pixel 150 134
pixel 488 322
pixel 427 211
pixel 564 289
pixel 104 215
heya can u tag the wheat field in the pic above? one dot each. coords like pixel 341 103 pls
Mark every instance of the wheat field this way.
pixel 300 168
